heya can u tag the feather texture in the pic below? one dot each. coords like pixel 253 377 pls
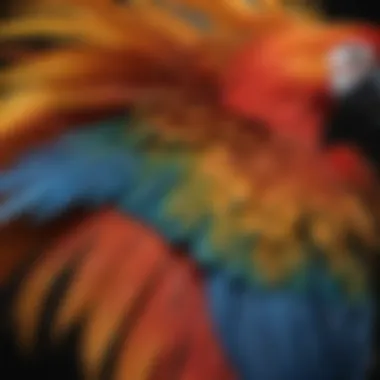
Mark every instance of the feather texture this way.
pixel 203 156
pixel 195 191
pixel 140 304
pixel 82 167
pixel 282 334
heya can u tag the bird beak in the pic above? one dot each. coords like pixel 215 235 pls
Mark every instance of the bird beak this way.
pixel 355 118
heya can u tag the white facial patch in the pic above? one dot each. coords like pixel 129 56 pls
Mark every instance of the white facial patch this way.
pixel 348 65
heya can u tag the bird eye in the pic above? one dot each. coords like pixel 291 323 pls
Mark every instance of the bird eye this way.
pixel 349 64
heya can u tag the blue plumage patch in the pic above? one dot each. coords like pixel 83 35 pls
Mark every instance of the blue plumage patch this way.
pixel 279 334
pixel 90 166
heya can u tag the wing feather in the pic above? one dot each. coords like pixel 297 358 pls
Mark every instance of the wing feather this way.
pixel 150 305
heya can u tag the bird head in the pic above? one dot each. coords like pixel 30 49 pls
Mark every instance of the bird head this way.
pixel 292 79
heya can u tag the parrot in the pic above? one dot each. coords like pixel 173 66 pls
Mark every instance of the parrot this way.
pixel 230 150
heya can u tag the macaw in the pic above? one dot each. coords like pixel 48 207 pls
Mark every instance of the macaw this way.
pixel 198 198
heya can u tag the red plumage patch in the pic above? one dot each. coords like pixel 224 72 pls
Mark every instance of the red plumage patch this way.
pixel 141 302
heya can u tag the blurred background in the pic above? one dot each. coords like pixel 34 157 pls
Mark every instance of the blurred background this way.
pixel 11 365
pixel 354 9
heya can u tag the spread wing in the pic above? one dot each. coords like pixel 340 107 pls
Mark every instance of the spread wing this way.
pixel 252 216
pixel 269 226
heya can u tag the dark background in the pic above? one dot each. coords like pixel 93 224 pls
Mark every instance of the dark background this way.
pixel 11 367
pixel 352 9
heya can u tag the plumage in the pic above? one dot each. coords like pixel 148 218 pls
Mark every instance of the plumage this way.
pixel 193 138
pixel 138 299
pixel 194 195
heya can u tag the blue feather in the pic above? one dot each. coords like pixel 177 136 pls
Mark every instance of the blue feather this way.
pixel 90 166
pixel 288 335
